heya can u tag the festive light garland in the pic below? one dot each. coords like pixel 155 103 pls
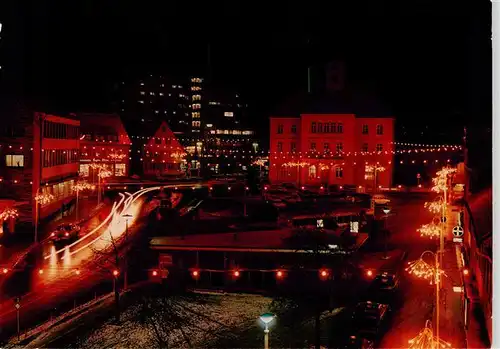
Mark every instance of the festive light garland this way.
pixel 425 339
pixel 83 185
pixel 429 230
pixel 441 181
pixel 44 198
pixel 424 270
pixel 9 213
pixel 435 206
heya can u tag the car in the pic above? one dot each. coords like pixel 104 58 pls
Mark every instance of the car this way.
pixel 357 342
pixel 386 281
pixel 370 319
pixel 65 233
pixel 381 199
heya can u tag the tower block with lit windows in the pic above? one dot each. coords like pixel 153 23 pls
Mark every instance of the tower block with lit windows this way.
pixel 332 149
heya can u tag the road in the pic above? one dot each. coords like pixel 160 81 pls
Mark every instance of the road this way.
pixel 418 296
pixel 61 275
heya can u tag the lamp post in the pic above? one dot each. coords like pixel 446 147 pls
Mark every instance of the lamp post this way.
pixel 422 269
pixel 386 210
pixel 40 199
pixel 375 169
pixel 80 186
pixel 266 318
pixel 299 165
pixel 102 174
pixel 127 216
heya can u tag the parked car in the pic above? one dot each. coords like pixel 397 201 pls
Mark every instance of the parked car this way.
pixel 356 342
pixel 370 319
pixel 65 233
pixel 385 282
pixel 381 199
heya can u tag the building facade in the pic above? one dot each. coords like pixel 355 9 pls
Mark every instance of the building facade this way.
pixel 163 155
pixel 40 156
pixel 332 149
pixel 104 141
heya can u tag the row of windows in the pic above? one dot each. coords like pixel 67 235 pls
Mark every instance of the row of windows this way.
pixel 96 136
pixel 313 172
pixel 327 127
pixel 379 130
pixel 195 114
pixel 326 147
pixel 196 98
pixel 197 106
pixel 60 131
pixel 330 127
pixel 119 169
pixel 196 123
pixel 13 160
pixel 55 157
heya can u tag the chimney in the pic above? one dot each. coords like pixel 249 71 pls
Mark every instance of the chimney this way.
pixel 335 76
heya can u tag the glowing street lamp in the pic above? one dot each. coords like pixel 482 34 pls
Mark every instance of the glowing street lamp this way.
pixel 430 230
pixel 101 175
pixel 386 210
pixel 426 340
pixel 41 199
pixel 422 269
pixel 81 186
pixel 127 216
pixel 266 318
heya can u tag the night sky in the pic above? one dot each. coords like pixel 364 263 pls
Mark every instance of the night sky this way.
pixel 427 59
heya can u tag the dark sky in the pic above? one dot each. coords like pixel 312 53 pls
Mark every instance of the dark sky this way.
pixel 426 58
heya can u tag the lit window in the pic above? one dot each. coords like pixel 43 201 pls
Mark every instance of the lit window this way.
pixel 280 129
pixel 365 129
pixel 327 127
pixel 320 127
pixel 143 93
pixel 380 129
pixel 369 175
pixel 333 127
pixel 174 86
pixel 294 129
pixel 84 170
pixel 340 147
pixel 379 147
pixel 364 148
pixel 280 146
pixel 313 127
pixel 152 93
pixel 339 172
pixel 142 84
pixel 161 93
pixel 229 114
pixel 180 86
pixel 120 170
pixel 14 160
pixel 157 111
pixel 142 102
pixel 162 85
pixel 210 125
pixel 313 146
pixel 312 172
pixel 293 147
pixel 340 128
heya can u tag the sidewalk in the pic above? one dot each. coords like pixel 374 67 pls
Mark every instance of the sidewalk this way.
pixel 453 312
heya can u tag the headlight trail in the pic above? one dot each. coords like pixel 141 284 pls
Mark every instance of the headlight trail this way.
pixel 115 223
pixel 115 206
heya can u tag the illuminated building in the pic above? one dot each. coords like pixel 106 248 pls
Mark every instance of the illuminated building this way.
pixel 163 155
pixel 196 104
pixel 39 155
pixel 105 141
pixel 145 102
pixel 336 149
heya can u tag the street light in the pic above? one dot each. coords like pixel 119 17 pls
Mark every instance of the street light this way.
pixel 101 175
pixel 81 186
pixel 266 318
pixel 422 269
pixel 40 199
pixel 127 216
pixel 386 210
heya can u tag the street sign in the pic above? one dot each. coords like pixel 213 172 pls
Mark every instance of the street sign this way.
pixel 458 231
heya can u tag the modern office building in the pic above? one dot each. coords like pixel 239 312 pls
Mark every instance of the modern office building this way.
pixel 40 156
